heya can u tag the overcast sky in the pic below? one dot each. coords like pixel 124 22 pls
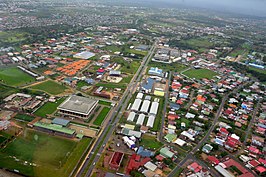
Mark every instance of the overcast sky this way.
pixel 249 7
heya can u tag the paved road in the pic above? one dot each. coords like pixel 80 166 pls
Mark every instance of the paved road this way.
pixel 165 106
pixel 251 122
pixel 121 106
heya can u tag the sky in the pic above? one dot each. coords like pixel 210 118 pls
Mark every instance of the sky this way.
pixel 247 7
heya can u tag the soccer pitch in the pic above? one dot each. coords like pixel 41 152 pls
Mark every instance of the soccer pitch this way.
pixel 40 154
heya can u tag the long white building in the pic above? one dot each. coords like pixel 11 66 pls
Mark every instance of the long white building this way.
pixel 150 121
pixel 136 105
pixel 131 116
pixel 145 106
pixel 154 108
pixel 141 119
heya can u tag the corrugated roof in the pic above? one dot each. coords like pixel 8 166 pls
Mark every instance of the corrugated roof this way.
pixel 54 127
pixel 60 121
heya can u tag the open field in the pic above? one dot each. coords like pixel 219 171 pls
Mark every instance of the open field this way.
pixel 15 77
pixel 100 118
pixel 200 73
pixel 42 149
pixel 150 142
pixel 48 108
pixel 6 90
pixel 11 37
pixel 175 67
pixel 105 103
pixel 50 87
pixel 137 52
pixel 24 117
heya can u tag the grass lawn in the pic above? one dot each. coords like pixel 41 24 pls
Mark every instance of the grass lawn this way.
pixel 42 149
pixel 15 77
pixel 175 67
pixel 100 118
pixel 48 108
pixel 137 52
pixel 186 121
pixel 81 84
pixel 150 142
pixel 112 85
pixel 24 117
pixel 50 87
pixel 6 90
pixel 200 73
pixel 105 103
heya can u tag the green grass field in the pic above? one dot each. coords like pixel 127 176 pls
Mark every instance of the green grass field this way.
pixel 176 67
pixel 6 90
pixel 50 87
pixel 100 118
pixel 24 117
pixel 48 108
pixel 200 73
pixel 150 142
pixel 102 102
pixel 15 77
pixel 42 149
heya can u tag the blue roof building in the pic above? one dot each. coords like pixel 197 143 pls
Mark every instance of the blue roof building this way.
pixel 156 72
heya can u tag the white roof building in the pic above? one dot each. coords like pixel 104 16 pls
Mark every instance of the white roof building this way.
pixel 179 142
pixel 188 135
pixel 136 105
pixel 140 119
pixel 145 106
pixel 154 108
pixel 150 121
pixel 140 95
pixel 131 116
pixel 150 166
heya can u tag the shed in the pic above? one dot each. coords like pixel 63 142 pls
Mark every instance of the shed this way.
pixel 60 121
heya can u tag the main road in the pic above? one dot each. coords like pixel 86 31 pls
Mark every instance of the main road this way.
pixel 93 156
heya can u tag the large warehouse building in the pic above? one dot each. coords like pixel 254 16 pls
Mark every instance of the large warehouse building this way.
pixel 77 106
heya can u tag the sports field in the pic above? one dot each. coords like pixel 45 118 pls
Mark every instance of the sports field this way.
pixel 50 87
pixel 48 108
pixel 200 73
pixel 42 150
pixel 100 118
pixel 15 77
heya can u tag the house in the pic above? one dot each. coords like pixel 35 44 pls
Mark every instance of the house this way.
pixel 195 167
pixel 207 148
pixel 144 152
pixel 166 152
pixel 190 116
pixel 213 160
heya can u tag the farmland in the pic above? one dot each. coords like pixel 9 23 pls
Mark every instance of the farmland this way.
pixel 48 108
pixel 42 150
pixel 15 77
pixel 100 118
pixel 200 73
pixel 50 87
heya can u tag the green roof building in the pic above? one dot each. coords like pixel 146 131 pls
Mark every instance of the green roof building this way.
pixel 166 152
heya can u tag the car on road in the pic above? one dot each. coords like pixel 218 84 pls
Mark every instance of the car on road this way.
pixel 104 145
pixel 93 163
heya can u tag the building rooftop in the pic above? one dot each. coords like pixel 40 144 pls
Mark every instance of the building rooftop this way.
pixel 54 127
pixel 78 104
pixel 60 121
